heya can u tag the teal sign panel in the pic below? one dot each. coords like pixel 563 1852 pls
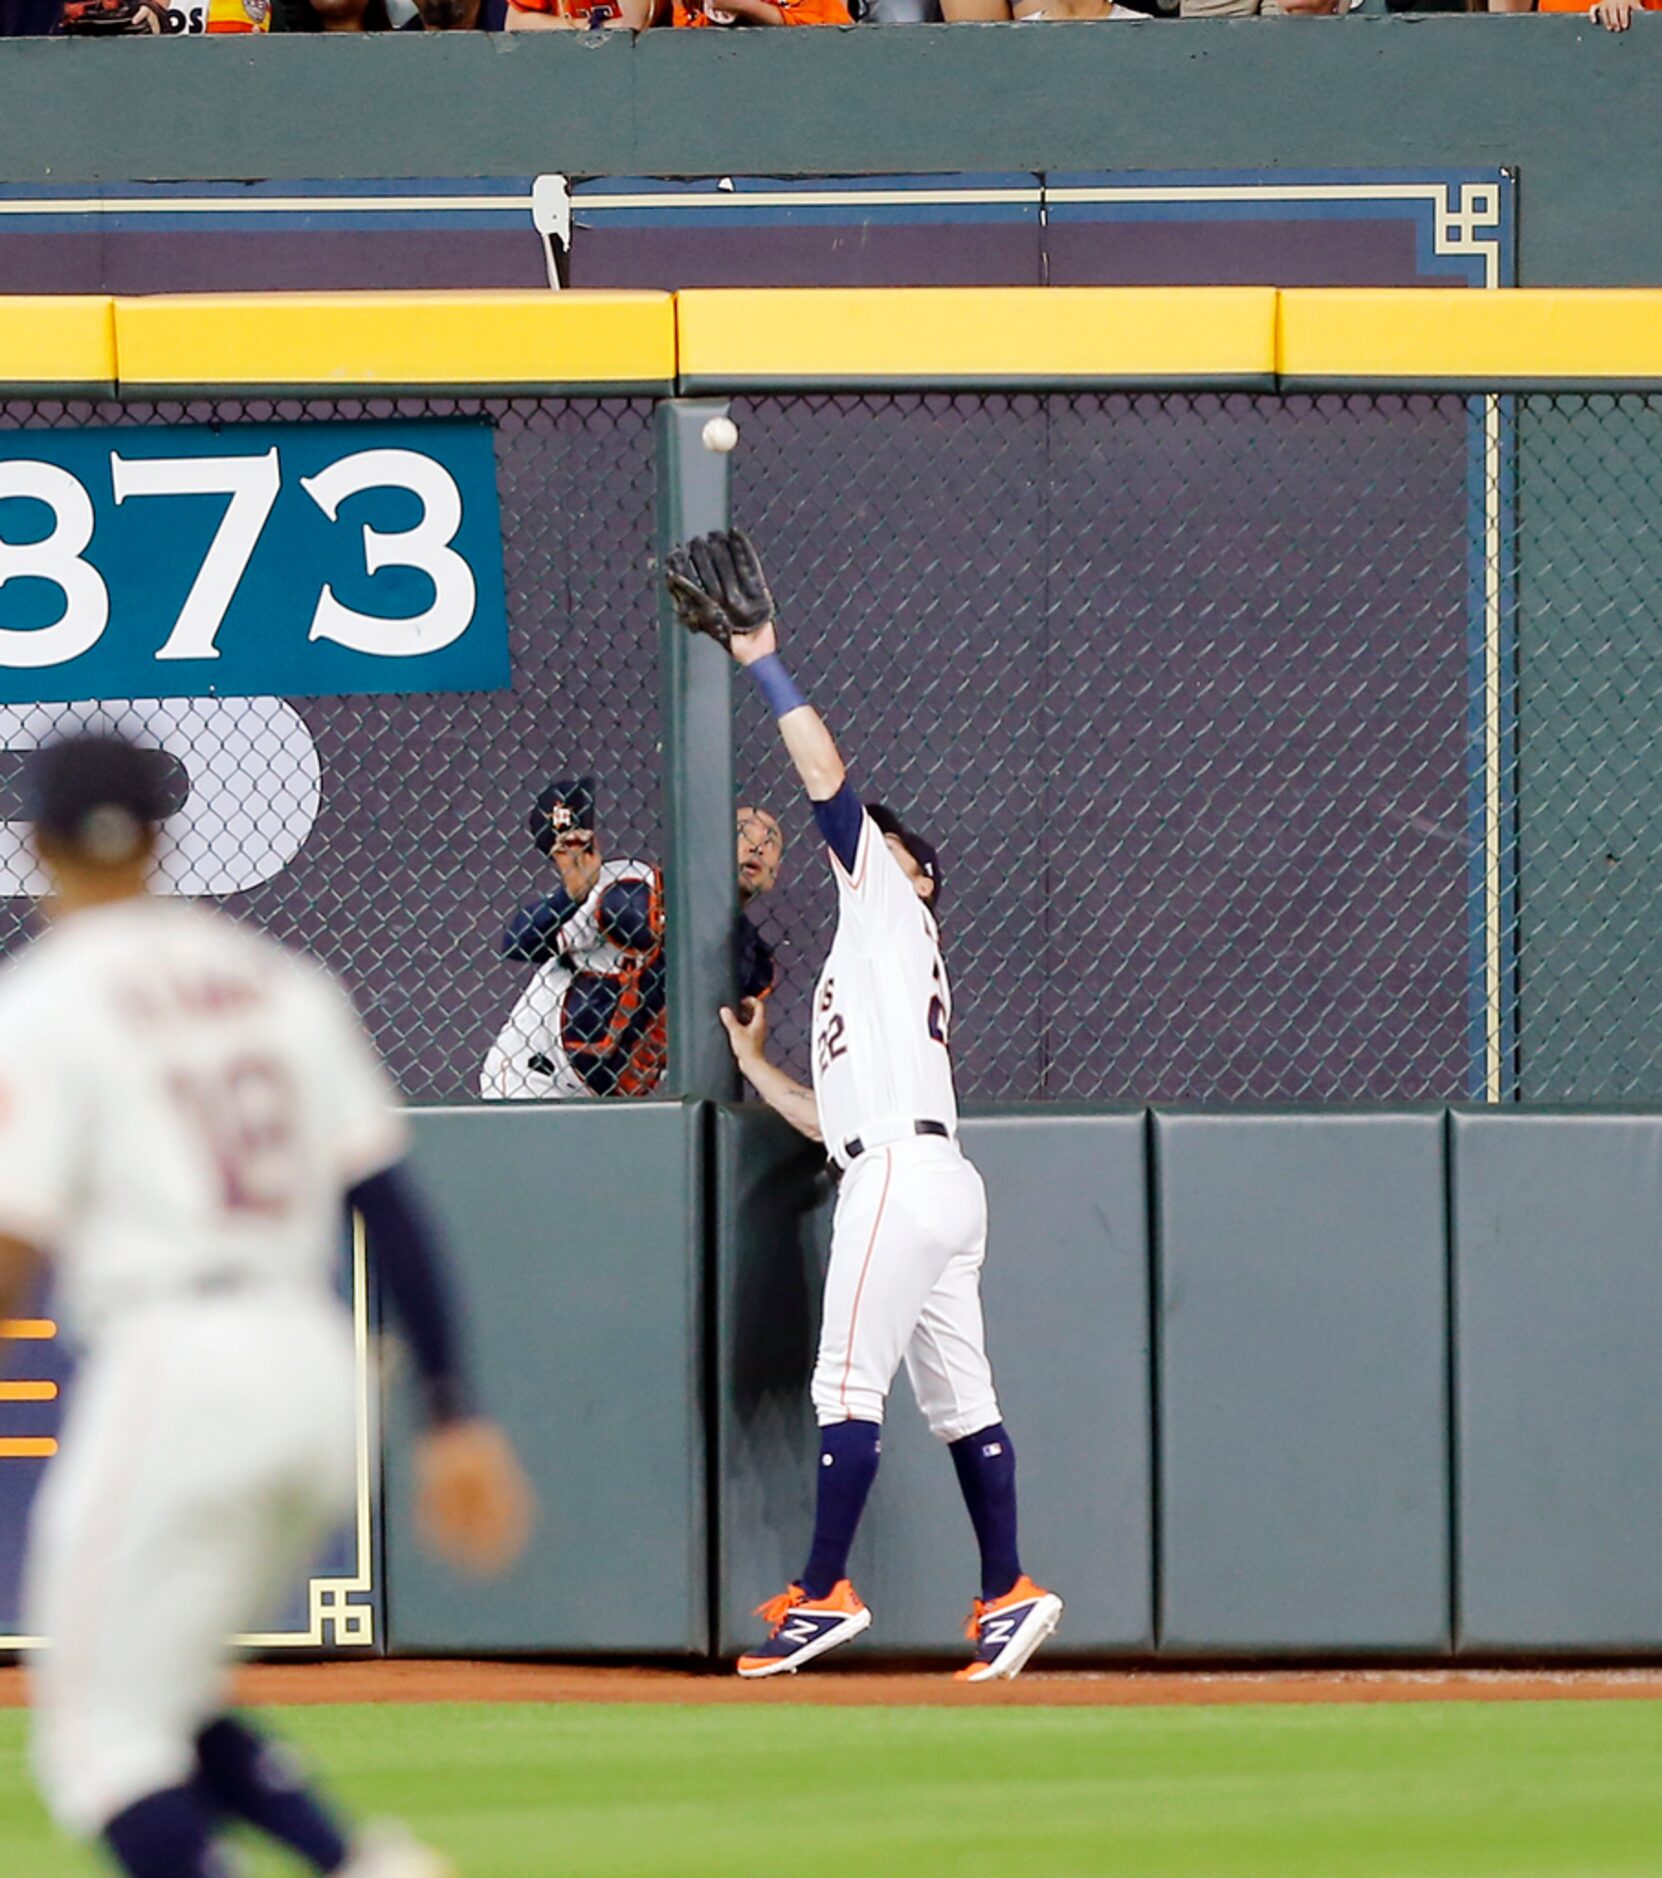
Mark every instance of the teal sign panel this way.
pixel 286 560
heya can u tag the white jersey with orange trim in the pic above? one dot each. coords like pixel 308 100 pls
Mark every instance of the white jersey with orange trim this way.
pixel 882 1008
pixel 183 1104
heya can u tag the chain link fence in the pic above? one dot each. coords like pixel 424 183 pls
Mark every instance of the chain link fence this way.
pixel 1589 745
pixel 1178 685
pixel 1277 748
pixel 394 827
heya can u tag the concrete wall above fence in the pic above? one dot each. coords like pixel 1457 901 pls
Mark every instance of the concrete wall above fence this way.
pixel 1361 93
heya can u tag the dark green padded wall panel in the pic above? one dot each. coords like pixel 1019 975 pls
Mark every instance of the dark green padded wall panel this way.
pixel 1558 1309
pixel 1067 1310
pixel 1303 1405
pixel 577 1232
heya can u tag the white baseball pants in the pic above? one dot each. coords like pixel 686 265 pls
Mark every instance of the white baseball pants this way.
pixel 532 1029
pixel 907 1246
pixel 208 1449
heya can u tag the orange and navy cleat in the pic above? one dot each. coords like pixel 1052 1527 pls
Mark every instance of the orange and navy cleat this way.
pixel 1007 1630
pixel 805 1627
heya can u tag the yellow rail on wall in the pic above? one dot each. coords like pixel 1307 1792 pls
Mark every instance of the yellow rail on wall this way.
pixel 57 342
pixel 969 335
pixel 397 341
pixel 712 340
pixel 1516 337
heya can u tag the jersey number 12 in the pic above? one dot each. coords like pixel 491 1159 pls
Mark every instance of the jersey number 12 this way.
pixel 244 1113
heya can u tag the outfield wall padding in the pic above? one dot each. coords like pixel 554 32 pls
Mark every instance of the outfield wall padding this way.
pixel 1302 1352
pixel 1067 1309
pixel 1285 1474
pixel 1558 1302
pixel 577 1233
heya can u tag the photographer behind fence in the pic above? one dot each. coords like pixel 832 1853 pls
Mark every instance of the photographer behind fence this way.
pixel 591 1021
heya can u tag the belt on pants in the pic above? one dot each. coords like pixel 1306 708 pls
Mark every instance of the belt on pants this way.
pixel 853 1149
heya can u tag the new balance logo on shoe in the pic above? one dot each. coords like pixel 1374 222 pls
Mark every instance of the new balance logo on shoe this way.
pixel 999 1630
pixel 804 1629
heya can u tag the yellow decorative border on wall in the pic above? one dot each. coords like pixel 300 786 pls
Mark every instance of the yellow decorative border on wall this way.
pixel 721 339
pixel 812 336
pixel 332 1615
pixel 340 1609
pixel 1443 337
pixel 57 342
pixel 439 341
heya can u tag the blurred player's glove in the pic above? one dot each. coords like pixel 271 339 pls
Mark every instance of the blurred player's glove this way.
pixel 98 17
pixel 718 587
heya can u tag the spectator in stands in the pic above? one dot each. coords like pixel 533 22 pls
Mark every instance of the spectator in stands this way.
pixel 462 16
pixel 759 13
pixel 545 16
pixel 1043 10
pixel 591 1021
pixel 1614 16
pixel 29 19
pixel 387 16
pixel 340 16
pixel 1236 9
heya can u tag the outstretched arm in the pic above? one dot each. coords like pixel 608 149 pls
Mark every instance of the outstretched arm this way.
pixel 747 1032
pixel 718 588
pixel 811 746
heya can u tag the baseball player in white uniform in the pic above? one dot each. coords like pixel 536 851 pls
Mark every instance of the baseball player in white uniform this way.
pixel 911 1222
pixel 183 1108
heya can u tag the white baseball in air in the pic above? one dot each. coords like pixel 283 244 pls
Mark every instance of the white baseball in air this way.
pixel 721 434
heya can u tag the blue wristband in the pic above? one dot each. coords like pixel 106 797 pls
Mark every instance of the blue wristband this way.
pixel 777 685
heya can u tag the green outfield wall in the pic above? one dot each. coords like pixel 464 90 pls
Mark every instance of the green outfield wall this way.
pixel 1284 1383
pixel 1572 107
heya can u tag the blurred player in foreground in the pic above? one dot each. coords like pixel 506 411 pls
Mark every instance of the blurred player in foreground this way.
pixel 911 1222
pixel 184 1107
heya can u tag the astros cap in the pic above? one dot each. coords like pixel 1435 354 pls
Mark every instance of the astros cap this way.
pixel 566 805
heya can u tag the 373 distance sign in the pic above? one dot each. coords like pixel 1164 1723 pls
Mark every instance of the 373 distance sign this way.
pixel 286 560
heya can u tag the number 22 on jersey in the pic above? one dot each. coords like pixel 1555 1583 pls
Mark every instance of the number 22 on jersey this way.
pixel 831 1044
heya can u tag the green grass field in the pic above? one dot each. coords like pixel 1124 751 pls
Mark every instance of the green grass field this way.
pixel 1429 1788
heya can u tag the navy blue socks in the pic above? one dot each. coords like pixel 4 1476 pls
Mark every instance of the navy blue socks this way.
pixel 166 1835
pixel 243 1774
pixel 848 1454
pixel 986 1464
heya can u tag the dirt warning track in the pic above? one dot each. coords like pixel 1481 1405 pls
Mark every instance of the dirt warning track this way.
pixel 278 1684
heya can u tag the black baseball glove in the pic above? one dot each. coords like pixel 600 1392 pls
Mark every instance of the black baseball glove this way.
pixel 718 587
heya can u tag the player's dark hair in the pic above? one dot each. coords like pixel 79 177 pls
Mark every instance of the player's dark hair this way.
pixel 99 794
pixel 923 852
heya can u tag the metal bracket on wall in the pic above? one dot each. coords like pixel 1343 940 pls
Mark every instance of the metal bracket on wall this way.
pixel 551 217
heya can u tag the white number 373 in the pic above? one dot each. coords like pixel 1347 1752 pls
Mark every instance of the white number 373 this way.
pixel 252 484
